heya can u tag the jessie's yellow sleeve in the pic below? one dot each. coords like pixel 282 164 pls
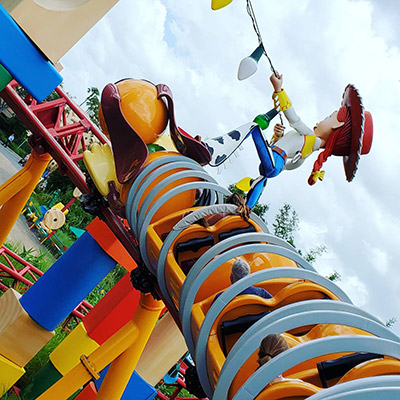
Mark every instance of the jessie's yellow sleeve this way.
pixel 281 101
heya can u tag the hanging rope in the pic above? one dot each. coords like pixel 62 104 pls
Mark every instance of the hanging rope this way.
pixel 252 15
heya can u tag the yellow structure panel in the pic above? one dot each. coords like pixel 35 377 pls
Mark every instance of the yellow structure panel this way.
pixel 99 161
pixel 21 337
pixel 9 374
pixel 67 355
pixel 56 25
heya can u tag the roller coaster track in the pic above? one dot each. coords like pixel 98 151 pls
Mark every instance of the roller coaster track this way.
pixel 315 316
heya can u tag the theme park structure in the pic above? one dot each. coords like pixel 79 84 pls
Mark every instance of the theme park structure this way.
pixel 149 207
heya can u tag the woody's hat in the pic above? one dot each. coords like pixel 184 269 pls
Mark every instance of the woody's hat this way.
pixel 361 130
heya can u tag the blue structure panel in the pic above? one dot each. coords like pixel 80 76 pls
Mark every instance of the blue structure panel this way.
pixel 67 282
pixel 24 61
pixel 137 388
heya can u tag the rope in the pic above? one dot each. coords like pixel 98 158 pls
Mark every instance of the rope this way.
pixel 252 15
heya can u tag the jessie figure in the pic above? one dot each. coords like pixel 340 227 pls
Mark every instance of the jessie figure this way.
pixel 347 132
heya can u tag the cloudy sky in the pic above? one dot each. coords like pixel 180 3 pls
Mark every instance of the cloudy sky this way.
pixel 320 46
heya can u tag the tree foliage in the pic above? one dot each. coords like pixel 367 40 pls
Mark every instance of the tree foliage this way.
pixel 286 223
pixel 334 276
pixel 92 104
pixel 312 254
pixel 14 125
pixel 390 322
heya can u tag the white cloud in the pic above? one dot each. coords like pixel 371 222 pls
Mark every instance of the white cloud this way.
pixel 357 290
pixel 378 258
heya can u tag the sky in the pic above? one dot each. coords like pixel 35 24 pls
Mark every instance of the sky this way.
pixel 319 46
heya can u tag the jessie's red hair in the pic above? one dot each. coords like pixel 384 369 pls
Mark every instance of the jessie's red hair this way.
pixel 338 143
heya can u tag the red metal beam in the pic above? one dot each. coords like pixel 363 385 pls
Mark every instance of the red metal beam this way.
pixel 53 134
pixel 48 123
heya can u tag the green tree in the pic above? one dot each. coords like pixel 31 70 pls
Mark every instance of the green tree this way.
pixel 334 276
pixel 57 181
pixel 390 322
pixel 286 223
pixel 92 104
pixel 314 253
pixel 15 126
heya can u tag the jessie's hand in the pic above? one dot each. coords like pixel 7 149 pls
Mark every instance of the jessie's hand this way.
pixel 279 130
pixel 276 81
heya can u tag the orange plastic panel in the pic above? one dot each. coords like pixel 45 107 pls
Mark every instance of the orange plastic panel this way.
pixel 142 109
pixel 319 331
pixel 110 244
pixel 288 390
pixel 309 375
pixel 372 368
pixel 246 370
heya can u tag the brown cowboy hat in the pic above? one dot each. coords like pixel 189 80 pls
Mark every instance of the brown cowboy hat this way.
pixel 361 132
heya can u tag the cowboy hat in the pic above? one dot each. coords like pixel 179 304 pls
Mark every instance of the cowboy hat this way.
pixel 361 130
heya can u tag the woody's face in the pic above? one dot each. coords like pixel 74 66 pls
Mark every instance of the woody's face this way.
pixel 324 128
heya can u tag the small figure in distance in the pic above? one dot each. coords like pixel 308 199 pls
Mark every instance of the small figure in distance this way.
pixel 241 269
pixel 9 140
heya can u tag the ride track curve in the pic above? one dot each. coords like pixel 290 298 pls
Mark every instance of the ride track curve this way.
pixel 317 319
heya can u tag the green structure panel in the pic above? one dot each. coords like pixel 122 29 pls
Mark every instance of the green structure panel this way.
pixel 44 378
pixel 5 77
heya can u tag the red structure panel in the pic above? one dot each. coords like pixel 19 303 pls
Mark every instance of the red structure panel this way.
pixel 113 311
pixel 88 392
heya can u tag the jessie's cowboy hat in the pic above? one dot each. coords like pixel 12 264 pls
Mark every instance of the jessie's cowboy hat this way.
pixel 361 130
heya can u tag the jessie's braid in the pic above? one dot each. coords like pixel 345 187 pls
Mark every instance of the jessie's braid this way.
pixel 338 143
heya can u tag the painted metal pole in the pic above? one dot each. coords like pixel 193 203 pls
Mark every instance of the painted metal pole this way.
pixel 148 309
pixel 15 192
pixel 121 368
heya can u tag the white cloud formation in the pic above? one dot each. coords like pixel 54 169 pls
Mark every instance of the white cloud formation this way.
pixel 378 258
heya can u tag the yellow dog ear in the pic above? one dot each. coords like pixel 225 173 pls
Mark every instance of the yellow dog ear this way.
pixel 217 4
pixel 244 184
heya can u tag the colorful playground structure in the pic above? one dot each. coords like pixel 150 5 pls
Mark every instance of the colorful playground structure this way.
pixel 165 220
